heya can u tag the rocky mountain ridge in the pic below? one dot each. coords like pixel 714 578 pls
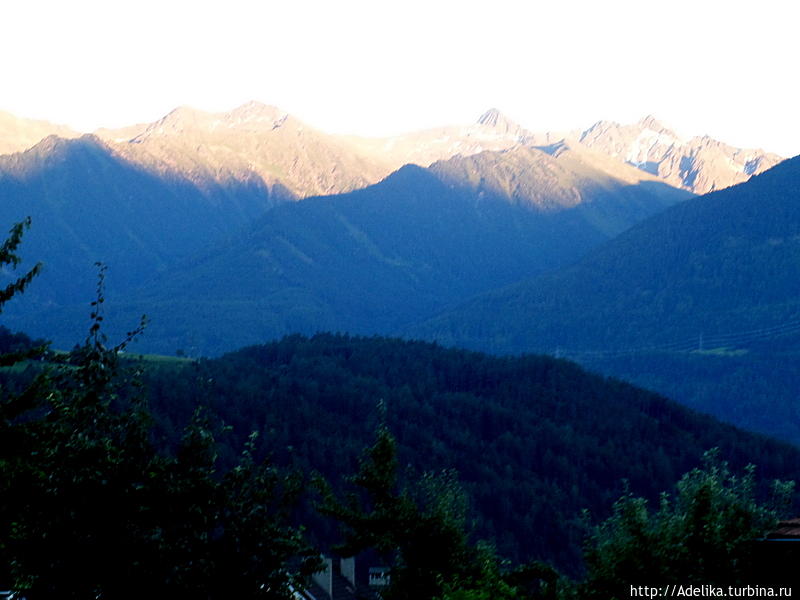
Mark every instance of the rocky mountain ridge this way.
pixel 698 164
pixel 18 134
pixel 258 142
pixel 252 142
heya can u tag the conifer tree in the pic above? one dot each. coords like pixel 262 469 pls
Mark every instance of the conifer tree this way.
pixel 419 529
pixel 12 406
pixel 91 508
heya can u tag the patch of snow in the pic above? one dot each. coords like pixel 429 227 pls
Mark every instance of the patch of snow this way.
pixel 735 166
pixel 641 149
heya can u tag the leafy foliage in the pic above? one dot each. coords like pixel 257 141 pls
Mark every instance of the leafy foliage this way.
pixel 703 536
pixel 420 531
pixel 16 347
pixel 90 508
pixel 9 257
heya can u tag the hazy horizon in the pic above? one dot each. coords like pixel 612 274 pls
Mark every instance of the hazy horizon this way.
pixel 354 67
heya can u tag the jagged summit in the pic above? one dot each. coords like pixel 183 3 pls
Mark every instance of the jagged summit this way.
pixel 490 117
pixel 177 121
pixel 54 151
pixel 650 122
pixel 47 145
pixel 258 114
pixel 495 119
pixel 18 134
pixel 252 116
pixel 56 145
pixel 699 164
pixel 601 125
pixel 261 138
pixel 184 114
pixel 254 142
pixel 254 107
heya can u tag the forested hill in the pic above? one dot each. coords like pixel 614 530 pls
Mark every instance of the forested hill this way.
pixel 534 439
pixel 722 263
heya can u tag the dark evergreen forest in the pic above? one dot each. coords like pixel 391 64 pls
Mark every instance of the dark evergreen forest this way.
pixel 535 440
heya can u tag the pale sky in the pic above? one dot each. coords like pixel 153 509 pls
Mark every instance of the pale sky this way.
pixel 723 68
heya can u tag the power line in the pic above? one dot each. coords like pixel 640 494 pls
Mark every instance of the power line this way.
pixel 700 342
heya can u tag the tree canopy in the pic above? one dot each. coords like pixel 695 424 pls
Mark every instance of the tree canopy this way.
pixel 91 507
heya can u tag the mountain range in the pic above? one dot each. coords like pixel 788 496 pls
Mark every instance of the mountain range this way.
pixel 257 141
pixel 377 259
pixel 705 292
pixel 699 164
pixel 235 229
pixel 702 266
pixel 199 219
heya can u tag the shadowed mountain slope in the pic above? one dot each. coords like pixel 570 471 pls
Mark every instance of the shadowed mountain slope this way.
pixel 727 261
pixel 701 302
pixel 88 204
pixel 378 259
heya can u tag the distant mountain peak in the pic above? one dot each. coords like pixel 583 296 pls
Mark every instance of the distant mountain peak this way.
pixel 55 150
pixel 497 120
pixel 18 134
pixel 698 164
pixel 183 113
pixel 257 112
pixel 601 125
pixel 253 116
pixel 177 121
pixel 494 124
pixel 650 122
pixel 55 144
pixel 253 106
pixel 490 117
